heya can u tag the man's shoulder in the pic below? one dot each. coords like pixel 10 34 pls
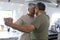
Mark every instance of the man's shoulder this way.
pixel 23 16
pixel 39 16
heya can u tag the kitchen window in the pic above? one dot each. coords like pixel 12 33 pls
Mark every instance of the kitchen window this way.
pixel 4 14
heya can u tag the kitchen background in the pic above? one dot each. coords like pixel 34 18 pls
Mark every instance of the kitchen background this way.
pixel 17 8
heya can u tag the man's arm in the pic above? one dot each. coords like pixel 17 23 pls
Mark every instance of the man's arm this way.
pixel 21 28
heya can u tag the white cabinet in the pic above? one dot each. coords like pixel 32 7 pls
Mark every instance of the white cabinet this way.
pixel 9 36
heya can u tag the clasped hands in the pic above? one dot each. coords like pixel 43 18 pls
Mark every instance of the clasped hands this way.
pixel 8 21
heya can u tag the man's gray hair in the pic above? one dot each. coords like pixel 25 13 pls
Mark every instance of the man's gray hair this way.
pixel 31 5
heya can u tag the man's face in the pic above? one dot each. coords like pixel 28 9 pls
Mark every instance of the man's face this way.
pixel 32 10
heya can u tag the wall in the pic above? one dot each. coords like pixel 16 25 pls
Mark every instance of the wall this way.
pixel 50 11
pixel 16 8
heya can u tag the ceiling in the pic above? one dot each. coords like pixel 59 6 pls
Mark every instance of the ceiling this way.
pixel 21 1
pixel 53 2
pixel 4 0
pixel 14 1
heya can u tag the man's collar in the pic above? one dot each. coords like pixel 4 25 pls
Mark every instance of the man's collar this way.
pixel 42 13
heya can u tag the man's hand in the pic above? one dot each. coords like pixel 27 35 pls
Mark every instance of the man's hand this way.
pixel 28 28
pixel 8 21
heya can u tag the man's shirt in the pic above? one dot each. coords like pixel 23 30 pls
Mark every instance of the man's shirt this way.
pixel 41 24
pixel 25 20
